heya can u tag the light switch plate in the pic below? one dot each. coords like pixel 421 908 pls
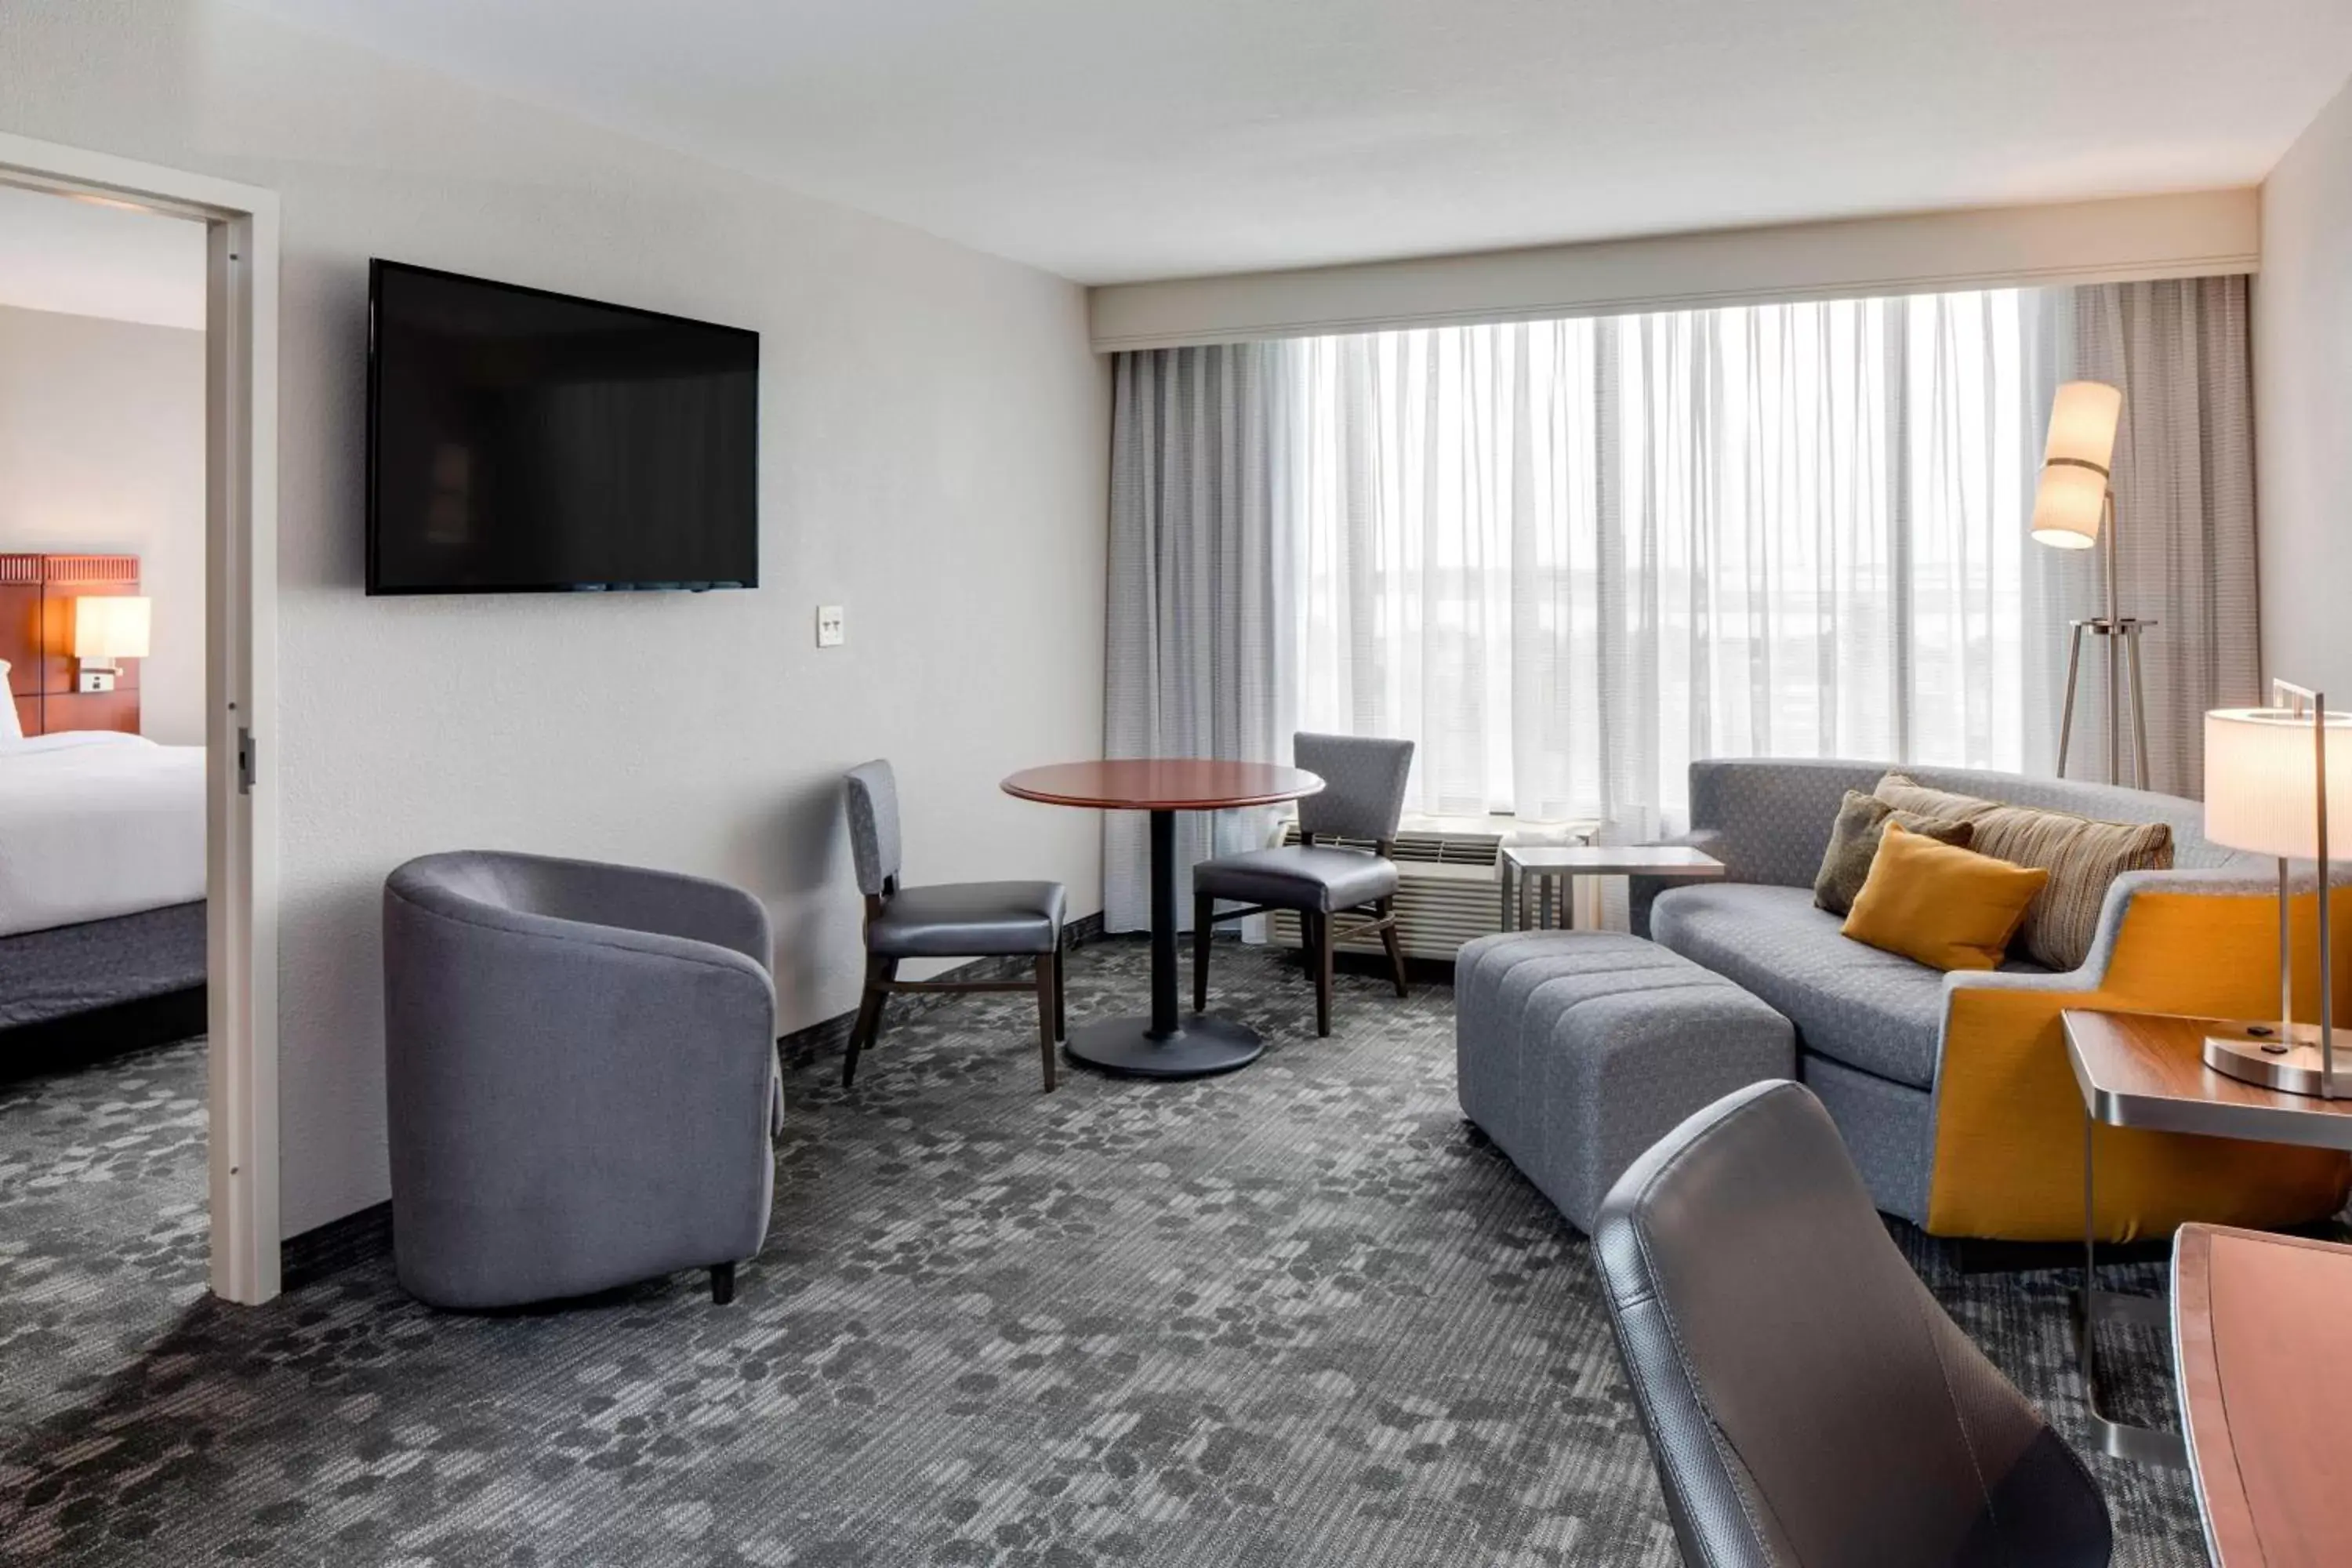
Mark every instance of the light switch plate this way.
pixel 832 627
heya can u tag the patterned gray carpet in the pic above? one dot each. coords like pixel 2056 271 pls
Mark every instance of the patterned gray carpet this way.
pixel 1299 1316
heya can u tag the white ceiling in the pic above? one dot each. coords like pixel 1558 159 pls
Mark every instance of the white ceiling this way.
pixel 1110 140
pixel 87 259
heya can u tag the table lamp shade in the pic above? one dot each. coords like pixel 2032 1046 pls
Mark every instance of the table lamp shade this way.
pixel 111 628
pixel 2261 784
pixel 2071 497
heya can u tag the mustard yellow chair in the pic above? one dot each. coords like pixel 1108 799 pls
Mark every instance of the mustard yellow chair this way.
pixel 1953 1092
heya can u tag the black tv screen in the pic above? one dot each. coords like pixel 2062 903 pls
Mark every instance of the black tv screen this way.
pixel 521 441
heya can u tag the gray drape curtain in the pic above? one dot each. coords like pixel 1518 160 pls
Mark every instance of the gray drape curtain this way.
pixel 1199 641
pixel 2184 484
pixel 1565 557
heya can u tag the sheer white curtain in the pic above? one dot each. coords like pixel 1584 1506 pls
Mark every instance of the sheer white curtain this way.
pixel 1567 557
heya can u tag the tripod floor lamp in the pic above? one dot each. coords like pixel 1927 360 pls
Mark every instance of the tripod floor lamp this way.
pixel 2074 509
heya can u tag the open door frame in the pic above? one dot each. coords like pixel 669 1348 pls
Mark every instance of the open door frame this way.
pixel 240 672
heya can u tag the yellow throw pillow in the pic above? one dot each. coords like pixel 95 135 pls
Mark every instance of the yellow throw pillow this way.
pixel 2083 857
pixel 1947 908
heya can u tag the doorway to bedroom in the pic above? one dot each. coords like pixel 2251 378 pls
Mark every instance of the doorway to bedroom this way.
pixel 103 944
pixel 138 595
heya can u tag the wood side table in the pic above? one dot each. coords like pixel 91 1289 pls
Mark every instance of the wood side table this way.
pixel 1165 1044
pixel 2148 1071
pixel 2261 1336
pixel 1553 866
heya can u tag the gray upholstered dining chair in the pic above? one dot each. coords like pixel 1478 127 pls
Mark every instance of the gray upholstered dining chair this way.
pixel 1808 1403
pixel 946 919
pixel 1362 799
pixel 580 1076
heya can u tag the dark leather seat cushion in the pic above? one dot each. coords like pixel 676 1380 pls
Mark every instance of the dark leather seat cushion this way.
pixel 968 919
pixel 1297 876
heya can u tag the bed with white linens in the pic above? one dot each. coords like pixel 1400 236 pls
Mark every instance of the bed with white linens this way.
pixel 101 873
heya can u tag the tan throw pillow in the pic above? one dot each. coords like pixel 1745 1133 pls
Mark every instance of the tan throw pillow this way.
pixel 1854 844
pixel 2082 855
pixel 1903 795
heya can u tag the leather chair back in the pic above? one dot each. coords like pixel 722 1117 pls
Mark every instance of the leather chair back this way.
pixel 1363 784
pixel 1808 1403
pixel 872 798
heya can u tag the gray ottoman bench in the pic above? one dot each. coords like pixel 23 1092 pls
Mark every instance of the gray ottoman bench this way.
pixel 1575 1051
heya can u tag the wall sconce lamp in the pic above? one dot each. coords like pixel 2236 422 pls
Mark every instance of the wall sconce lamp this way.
pixel 106 630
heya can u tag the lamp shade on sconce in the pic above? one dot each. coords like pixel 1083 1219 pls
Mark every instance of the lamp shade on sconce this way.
pixel 111 628
pixel 2261 781
pixel 2070 499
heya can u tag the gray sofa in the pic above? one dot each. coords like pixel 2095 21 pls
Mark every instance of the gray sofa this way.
pixel 580 1075
pixel 1870 1024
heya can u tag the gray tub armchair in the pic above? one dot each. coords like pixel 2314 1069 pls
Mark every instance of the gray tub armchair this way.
pixel 580 1076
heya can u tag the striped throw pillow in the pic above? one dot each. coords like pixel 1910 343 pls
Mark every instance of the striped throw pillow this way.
pixel 2082 855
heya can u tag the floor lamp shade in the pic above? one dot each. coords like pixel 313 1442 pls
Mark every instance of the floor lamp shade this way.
pixel 2083 419
pixel 2262 788
pixel 2070 499
pixel 2068 504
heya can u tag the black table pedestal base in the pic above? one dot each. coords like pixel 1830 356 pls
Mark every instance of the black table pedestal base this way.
pixel 1203 1045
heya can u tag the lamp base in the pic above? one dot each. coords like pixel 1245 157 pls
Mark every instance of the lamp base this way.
pixel 2285 1058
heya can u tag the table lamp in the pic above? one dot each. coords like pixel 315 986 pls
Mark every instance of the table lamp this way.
pixel 2278 781
pixel 107 628
pixel 2074 509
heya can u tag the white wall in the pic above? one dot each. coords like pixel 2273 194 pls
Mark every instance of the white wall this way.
pixel 102 448
pixel 88 258
pixel 2302 407
pixel 933 455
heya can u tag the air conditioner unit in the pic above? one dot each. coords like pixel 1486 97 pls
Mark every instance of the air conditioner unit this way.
pixel 1449 890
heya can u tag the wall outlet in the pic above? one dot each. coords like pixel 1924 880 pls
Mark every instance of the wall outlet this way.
pixel 831 629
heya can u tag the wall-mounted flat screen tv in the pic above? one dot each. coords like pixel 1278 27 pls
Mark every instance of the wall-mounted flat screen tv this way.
pixel 521 441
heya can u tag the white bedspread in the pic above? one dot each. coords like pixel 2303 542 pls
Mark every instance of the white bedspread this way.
pixel 94 824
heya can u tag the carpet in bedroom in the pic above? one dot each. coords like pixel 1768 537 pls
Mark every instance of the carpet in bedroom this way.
pixel 1301 1316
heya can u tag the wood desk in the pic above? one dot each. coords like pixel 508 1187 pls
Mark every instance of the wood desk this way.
pixel 2261 1334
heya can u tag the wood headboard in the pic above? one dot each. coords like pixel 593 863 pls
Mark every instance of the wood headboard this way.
pixel 37 596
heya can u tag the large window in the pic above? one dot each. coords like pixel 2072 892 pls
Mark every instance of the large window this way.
pixel 1569 556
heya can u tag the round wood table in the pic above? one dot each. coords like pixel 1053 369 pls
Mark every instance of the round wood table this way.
pixel 1164 1044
